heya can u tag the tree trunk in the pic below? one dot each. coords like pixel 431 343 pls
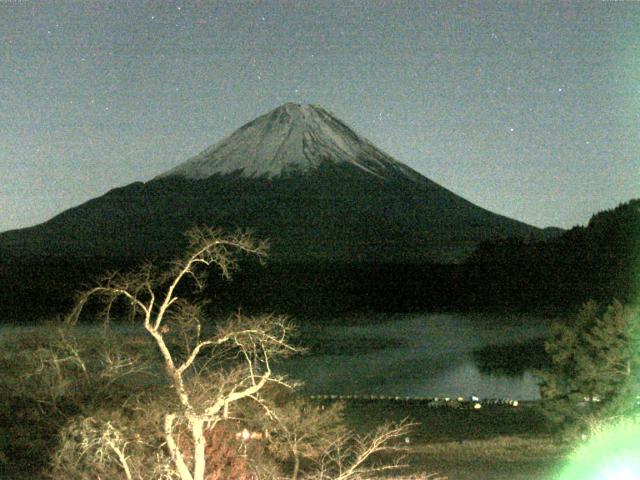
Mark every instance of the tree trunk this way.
pixel 296 466
pixel 199 444
pixel 176 455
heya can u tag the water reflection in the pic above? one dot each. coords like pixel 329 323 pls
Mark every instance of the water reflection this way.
pixel 414 355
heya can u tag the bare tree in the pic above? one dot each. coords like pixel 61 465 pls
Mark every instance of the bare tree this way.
pixel 214 373
pixel 352 457
pixel 242 349
pixel 303 431
pixel 313 441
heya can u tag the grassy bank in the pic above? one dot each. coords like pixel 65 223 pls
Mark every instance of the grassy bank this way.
pixel 495 442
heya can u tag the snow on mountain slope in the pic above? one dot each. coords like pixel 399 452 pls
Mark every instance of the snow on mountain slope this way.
pixel 291 138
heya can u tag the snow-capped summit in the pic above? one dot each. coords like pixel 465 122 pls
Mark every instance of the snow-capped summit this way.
pixel 291 138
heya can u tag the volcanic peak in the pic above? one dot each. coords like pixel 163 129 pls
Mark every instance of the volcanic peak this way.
pixel 290 138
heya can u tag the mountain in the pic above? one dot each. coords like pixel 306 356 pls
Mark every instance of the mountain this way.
pixel 298 176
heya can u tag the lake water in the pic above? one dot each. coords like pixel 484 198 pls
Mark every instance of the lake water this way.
pixel 414 355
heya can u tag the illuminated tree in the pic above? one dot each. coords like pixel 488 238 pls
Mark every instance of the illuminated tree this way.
pixel 210 374
pixel 207 371
pixel 302 430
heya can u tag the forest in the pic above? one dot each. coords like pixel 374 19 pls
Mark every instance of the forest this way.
pixel 597 261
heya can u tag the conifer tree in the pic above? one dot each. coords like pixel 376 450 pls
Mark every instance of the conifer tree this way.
pixel 594 374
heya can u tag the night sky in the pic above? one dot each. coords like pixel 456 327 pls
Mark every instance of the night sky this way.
pixel 529 109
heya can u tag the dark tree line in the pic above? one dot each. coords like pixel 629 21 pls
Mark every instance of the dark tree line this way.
pixel 600 261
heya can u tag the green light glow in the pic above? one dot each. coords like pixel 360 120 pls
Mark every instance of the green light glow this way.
pixel 612 453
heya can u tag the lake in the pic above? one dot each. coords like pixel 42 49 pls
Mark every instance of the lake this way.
pixel 413 355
